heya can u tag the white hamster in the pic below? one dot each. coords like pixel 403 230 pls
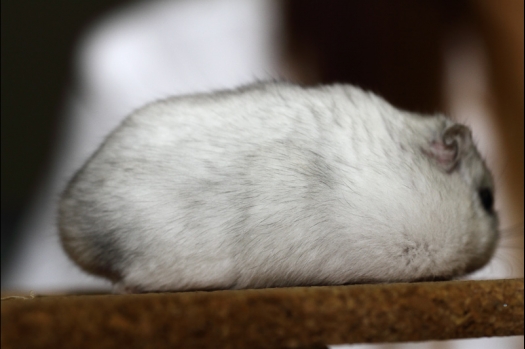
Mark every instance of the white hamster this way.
pixel 279 185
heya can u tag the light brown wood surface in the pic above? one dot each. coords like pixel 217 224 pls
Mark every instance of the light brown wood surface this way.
pixel 299 317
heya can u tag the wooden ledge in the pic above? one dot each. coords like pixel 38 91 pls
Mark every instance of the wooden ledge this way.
pixel 299 317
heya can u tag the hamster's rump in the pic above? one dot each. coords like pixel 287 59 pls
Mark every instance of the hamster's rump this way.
pixel 279 185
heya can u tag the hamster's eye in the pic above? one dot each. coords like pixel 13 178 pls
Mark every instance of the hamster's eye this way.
pixel 487 199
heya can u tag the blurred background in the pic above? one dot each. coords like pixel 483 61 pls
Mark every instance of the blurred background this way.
pixel 72 70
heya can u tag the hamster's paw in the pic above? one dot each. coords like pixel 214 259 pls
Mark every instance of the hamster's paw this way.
pixel 122 288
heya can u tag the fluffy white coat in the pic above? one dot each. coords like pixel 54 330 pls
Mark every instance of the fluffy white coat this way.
pixel 279 185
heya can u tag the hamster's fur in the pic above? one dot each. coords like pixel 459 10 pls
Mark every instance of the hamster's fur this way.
pixel 279 185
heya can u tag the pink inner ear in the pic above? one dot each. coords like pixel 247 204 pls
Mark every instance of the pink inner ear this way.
pixel 447 151
pixel 444 155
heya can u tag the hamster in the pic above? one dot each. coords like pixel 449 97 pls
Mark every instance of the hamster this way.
pixel 275 185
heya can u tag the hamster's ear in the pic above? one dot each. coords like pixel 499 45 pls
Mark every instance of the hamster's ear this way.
pixel 448 151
